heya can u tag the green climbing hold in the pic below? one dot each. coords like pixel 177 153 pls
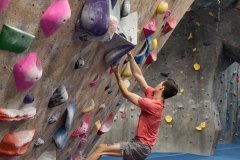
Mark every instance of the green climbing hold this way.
pixel 15 40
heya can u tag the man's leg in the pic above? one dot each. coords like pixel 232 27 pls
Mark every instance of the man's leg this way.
pixel 104 149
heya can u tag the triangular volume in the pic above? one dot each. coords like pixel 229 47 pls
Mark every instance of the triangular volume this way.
pixel 59 97
pixel 15 40
pixel 27 71
pixel 55 16
pixel 3 5
pixel 16 144
pixel 150 28
pixel 170 24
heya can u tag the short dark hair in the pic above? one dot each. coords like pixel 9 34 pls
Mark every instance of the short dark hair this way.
pixel 171 88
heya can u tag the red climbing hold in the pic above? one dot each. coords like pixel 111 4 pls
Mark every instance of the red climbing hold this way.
pixel 151 58
pixel 150 28
pixel 171 24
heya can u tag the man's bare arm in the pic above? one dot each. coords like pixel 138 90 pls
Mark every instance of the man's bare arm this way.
pixel 127 94
pixel 137 73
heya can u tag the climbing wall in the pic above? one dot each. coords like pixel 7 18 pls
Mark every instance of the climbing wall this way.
pixel 206 36
pixel 90 85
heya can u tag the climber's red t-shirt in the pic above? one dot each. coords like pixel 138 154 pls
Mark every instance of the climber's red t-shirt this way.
pixel 150 118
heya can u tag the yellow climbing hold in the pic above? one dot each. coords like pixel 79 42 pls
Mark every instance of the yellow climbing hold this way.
pixel 181 90
pixel 198 128
pixel 89 108
pixel 154 44
pixel 196 66
pixel 96 127
pixel 202 78
pixel 138 30
pixel 203 125
pixel 127 70
pixel 168 119
pixel 190 36
pixel 162 7
pixel 69 150
pixel 211 14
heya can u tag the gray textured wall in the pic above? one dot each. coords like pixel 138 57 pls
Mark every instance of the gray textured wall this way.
pixel 202 89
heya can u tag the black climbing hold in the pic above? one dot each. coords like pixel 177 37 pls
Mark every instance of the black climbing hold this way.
pixel 206 43
pixel 59 97
pixel 164 74
pixel 29 98
pixel 80 63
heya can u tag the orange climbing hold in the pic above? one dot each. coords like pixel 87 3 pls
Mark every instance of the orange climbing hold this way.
pixel 15 144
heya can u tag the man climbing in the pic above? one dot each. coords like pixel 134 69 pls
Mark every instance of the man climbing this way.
pixel 149 121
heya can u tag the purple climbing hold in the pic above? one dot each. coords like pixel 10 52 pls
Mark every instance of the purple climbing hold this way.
pixel 113 3
pixel 94 17
pixel 29 98
pixel 114 56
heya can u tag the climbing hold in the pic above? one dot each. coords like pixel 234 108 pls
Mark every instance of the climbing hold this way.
pixel 90 108
pixel 113 3
pixel 126 7
pixel 211 14
pixel 190 36
pixel 127 70
pixel 196 66
pixel 168 119
pixel 100 109
pixel 151 58
pixel 107 124
pixel 154 44
pixel 167 14
pixel 39 142
pixel 170 24
pixel 59 97
pixel 201 126
pixel 115 118
pixel 162 7
pixel 132 115
pixel 80 63
pixel 17 115
pixel 94 18
pixel 108 89
pixel 234 94
pixel 123 115
pixel 70 112
pixel 114 56
pixel 27 71
pixel 165 74
pixel 121 110
pixel 15 40
pixel 16 144
pixel 126 82
pixel 3 5
pixel 61 134
pixel 82 142
pixel 94 82
pixel 145 51
pixel 29 98
pixel 181 90
pixel 194 49
pixel 52 119
pixel 150 28
pixel 83 129
pixel 132 108
pixel 96 127
pixel 55 16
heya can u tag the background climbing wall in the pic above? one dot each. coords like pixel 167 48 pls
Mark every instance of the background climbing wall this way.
pixel 209 95
pixel 58 55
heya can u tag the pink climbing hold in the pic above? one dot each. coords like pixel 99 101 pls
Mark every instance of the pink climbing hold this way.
pixel 107 124
pixel 27 71
pixel 171 24
pixel 150 28
pixel 82 130
pixel 167 14
pixel 151 58
pixel 55 16
pixel 3 5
